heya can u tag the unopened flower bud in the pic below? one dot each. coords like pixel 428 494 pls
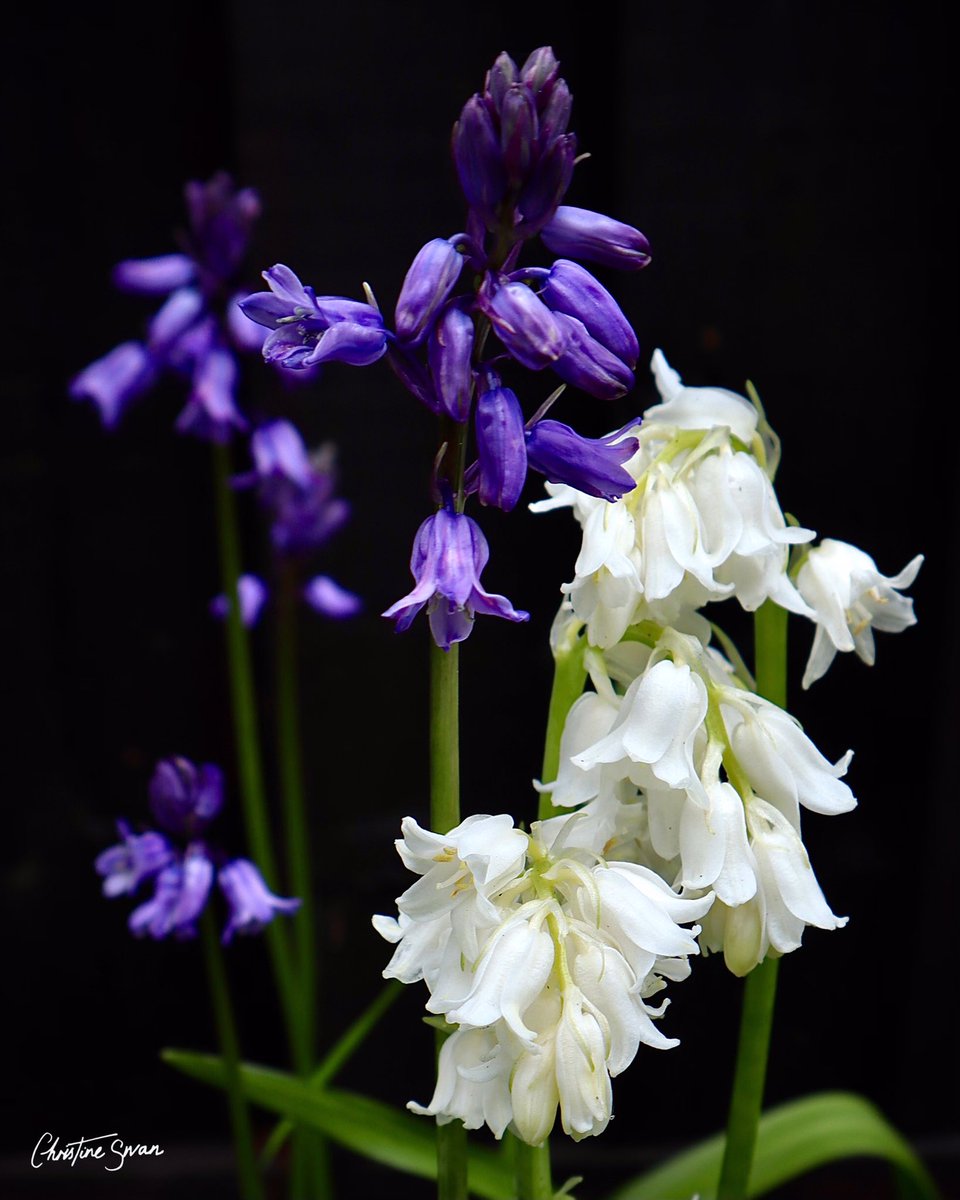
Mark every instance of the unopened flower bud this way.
pixel 518 131
pixel 580 233
pixel 591 465
pixel 450 354
pixel 587 364
pixel 501 448
pixel 184 798
pixel 431 278
pixel 525 325
pixel 547 185
pixel 571 289
pixel 478 159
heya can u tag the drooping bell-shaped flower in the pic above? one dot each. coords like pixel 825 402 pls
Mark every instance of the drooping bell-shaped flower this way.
pixel 253 596
pixel 252 904
pixel 449 552
pixel 450 356
pixel 591 465
pixel 115 381
pixel 139 856
pixel 181 894
pixel 501 448
pixel 580 233
pixel 428 283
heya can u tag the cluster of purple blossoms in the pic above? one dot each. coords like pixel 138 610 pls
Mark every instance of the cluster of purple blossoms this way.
pixel 198 328
pixel 515 161
pixel 297 489
pixel 182 866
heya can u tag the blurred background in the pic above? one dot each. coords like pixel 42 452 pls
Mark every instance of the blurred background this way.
pixel 785 162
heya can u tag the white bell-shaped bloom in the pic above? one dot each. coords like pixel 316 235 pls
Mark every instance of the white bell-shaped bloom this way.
pixel 473 1082
pixel 713 845
pixel 698 407
pixel 583 1081
pixel 850 598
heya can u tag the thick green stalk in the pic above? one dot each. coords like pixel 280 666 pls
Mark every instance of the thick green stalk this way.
pixel 532 1166
pixel 251 1187
pixel 760 986
pixel 246 733
pixel 569 675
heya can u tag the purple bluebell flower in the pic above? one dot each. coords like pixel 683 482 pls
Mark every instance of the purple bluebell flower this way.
pixel 520 319
pixel 251 903
pixel 580 233
pixel 449 553
pixel 327 597
pixel 310 329
pixel 571 289
pixel 432 277
pixel 450 355
pixel 196 331
pixel 587 364
pixel 139 856
pixel 182 891
pixel 184 797
pixel 479 160
pixel 591 465
pixel 279 457
pixel 501 449
pixel 253 596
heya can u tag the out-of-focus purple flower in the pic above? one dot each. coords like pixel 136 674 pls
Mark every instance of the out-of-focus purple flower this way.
pixel 587 364
pixel 114 381
pixel 450 355
pixel 184 797
pixel 279 456
pixel 591 465
pixel 327 597
pixel 528 329
pixel 252 905
pixel 501 450
pixel 182 891
pixel 580 233
pixel 449 553
pixel 310 329
pixel 197 328
pixel 571 289
pixel 428 283
pixel 253 596
pixel 139 856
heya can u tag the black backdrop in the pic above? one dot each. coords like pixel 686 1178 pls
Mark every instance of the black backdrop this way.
pixel 785 161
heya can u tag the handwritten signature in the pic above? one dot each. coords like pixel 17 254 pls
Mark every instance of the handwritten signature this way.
pixel 108 1148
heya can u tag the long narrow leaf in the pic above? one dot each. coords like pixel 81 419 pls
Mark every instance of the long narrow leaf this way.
pixel 367 1127
pixel 793 1139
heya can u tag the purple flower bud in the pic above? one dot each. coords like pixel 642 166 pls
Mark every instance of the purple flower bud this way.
pixel 279 455
pixel 501 448
pixel 499 78
pixel 524 324
pixel 184 798
pixel 479 163
pixel 580 233
pixel 413 375
pixel 252 904
pixel 449 553
pixel 450 354
pixel 540 70
pixel 591 465
pixel 138 857
pixel 590 366
pixel 518 131
pixel 178 313
pixel 329 599
pixel 547 185
pixel 221 221
pixel 555 115
pixel 571 289
pixel 114 381
pixel 154 276
pixel 210 412
pixel 253 596
pixel 182 891
pixel 428 283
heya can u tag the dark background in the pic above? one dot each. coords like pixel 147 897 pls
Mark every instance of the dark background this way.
pixel 785 162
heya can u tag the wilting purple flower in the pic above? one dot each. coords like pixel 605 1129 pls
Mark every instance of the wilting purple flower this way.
pixel 571 289
pixel 450 355
pixel 310 329
pixel 138 857
pixel 327 597
pixel 430 280
pixel 184 797
pixel 501 451
pixel 182 891
pixel 520 319
pixel 252 905
pixel 580 233
pixel 253 596
pixel 587 364
pixel 196 332
pixel 591 465
pixel 449 553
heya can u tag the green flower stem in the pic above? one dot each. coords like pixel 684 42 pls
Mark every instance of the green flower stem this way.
pixel 251 1187
pixel 532 1165
pixel 246 734
pixel 760 986
pixel 569 676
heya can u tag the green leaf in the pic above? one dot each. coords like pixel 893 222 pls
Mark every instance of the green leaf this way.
pixel 793 1139
pixel 367 1127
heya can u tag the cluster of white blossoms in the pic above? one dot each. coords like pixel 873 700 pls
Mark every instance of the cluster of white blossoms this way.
pixel 683 786
pixel 545 956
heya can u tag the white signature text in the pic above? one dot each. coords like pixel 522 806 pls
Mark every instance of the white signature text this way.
pixel 108 1148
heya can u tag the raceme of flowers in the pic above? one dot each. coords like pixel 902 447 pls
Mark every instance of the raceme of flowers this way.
pixel 182 865
pixel 546 958
pixel 514 159
pixel 198 329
